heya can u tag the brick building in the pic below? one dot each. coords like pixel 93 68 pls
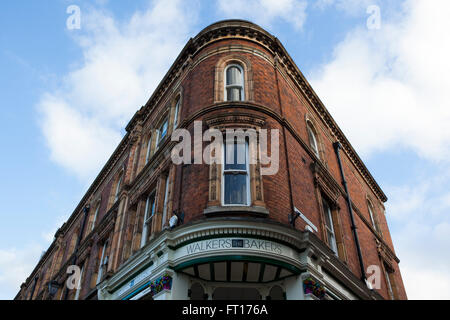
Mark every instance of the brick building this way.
pixel 149 228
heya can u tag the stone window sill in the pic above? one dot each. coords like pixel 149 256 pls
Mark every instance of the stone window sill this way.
pixel 236 209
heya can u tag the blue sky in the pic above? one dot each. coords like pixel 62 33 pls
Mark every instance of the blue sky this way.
pixel 61 88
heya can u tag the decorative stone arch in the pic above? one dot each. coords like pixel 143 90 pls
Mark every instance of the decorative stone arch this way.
pixel 312 124
pixel 244 63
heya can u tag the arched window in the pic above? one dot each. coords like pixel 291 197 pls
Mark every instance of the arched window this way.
pixel 329 226
pixel 149 147
pixel 313 139
pixel 234 83
pixel 118 186
pixel 162 132
pixel 80 281
pixel 94 219
pixel 150 208
pixel 372 217
pixel 176 112
pixel 103 262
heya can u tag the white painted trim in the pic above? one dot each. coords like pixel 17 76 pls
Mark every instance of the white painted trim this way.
pixel 225 82
pixel 248 204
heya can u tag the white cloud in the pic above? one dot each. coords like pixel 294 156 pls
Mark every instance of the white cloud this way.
pixel 264 12
pixel 389 90
pixel 420 226
pixel 15 267
pixel 392 83
pixel 426 283
pixel 122 64
pixel 16 264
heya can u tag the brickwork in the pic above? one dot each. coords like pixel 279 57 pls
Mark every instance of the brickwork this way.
pixel 276 98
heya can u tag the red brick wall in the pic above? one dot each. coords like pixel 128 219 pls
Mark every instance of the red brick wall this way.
pixel 272 90
pixel 276 93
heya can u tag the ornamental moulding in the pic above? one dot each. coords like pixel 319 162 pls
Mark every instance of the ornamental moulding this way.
pixel 235 119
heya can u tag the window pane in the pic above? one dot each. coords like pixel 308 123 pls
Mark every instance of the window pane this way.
pixel 235 189
pixel 152 199
pixel 313 141
pixel 149 145
pixel 234 76
pixel 175 120
pixel 327 212
pixel 332 241
pixel 234 94
pixel 371 216
pixel 150 206
pixel 162 131
pixel 116 196
pixel 235 156
pixel 388 281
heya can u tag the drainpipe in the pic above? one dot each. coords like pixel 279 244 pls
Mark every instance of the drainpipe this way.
pixel 338 146
pixel 80 234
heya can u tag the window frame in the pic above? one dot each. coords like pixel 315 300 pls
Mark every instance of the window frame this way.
pixel 228 86
pixel 77 293
pixel 118 187
pixel 176 112
pixel 101 263
pixel 160 138
pixel 371 214
pixel 330 229
pixel 312 134
pixel 149 148
pixel 97 210
pixel 388 283
pixel 147 219
pixel 236 171
pixel 165 200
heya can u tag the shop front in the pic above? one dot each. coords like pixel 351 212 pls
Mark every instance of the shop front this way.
pixel 222 259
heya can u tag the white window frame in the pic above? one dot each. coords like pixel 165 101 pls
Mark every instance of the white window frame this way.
pixel 77 293
pixel 118 186
pixel 100 266
pixel 149 147
pixel 148 218
pixel 177 110
pixel 389 284
pixel 370 208
pixel 313 144
pixel 224 172
pixel 160 138
pixel 97 209
pixel 166 193
pixel 330 229
pixel 234 85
